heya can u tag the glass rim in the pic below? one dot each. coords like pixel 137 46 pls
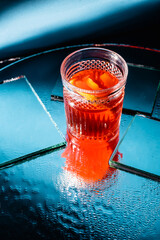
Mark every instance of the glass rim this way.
pixel 110 90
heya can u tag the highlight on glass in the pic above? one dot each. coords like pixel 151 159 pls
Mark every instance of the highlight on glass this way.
pixel 93 88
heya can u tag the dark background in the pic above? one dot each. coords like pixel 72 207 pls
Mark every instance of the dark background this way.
pixel 135 24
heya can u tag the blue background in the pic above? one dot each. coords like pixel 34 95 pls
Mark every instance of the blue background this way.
pixel 28 26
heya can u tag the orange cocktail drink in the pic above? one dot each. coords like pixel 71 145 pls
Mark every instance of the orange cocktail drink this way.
pixel 94 82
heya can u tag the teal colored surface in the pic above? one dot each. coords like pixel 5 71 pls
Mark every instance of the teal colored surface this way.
pixel 141 89
pixel 58 87
pixel 156 110
pixel 26 127
pixel 40 200
pixel 140 146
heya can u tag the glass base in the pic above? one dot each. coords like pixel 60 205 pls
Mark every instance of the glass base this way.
pixel 88 158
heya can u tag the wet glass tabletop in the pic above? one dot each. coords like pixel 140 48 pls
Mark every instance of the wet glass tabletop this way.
pixel 39 198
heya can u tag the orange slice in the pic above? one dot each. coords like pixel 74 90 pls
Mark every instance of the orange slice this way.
pixel 108 80
pixel 82 85
pixel 88 96
pixel 92 84
pixel 72 81
pixel 87 84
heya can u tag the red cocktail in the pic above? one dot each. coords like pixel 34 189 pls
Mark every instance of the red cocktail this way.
pixel 94 81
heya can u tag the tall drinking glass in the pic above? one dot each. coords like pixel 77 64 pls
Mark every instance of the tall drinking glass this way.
pixel 93 87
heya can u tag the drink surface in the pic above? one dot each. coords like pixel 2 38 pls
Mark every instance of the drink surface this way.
pixel 92 122
pixel 93 79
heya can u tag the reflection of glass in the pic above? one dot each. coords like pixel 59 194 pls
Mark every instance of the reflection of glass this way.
pixel 93 114
pixel 88 159
pixel 140 148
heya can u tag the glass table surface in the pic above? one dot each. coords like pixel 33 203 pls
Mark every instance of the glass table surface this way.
pixel 40 199
pixel 139 148
pixel 27 129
